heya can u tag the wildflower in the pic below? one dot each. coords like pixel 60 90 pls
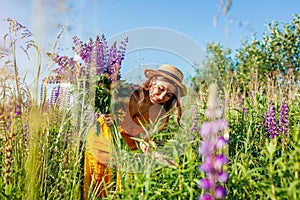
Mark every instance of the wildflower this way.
pixel 18 111
pixel 100 54
pixel 106 60
pixel 212 143
pixel 205 197
pixel 194 115
pixel 207 165
pixel 205 183
pixel 206 147
pixel 245 111
pixel 219 161
pixel 27 103
pixel 264 122
pixel 221 142
pixel 271 121
pixel 221 125
pixel 284 118
pixel 206 129
pixel 222 176
pixel 220 192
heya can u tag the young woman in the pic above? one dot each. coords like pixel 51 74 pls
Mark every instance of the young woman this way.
pixel 151 102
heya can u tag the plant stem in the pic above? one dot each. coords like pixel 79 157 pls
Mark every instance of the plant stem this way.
pixel 272 185
pixel 296 167
pixel 16 70
pixel 38 71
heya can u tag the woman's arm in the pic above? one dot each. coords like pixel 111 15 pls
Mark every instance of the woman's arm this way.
pixel 159 157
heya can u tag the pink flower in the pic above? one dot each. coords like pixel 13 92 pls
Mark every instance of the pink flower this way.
pixel 205 183
pixel 206 129
pixel 221 125
pixel 206 147
pixel 205 197
pixel 220 192
pixel 222 176
pixel 219 161
pixel 221 142
pixel 206 165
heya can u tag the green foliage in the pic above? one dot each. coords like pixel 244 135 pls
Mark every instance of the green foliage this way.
pixel 217 67
pixel 152 180
pixel 262 168
pixel 273 60
pixel 103 94
pixel 282 46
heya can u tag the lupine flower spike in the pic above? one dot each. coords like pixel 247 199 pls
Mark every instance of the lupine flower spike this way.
pixel 211 150
pixel 284 118
pixel 269 121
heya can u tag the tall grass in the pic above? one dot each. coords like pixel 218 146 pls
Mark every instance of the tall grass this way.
pixel 41 143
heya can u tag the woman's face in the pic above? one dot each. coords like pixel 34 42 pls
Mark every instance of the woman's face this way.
pixel 161 91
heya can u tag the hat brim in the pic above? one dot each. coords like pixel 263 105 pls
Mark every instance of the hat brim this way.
pixel 151 72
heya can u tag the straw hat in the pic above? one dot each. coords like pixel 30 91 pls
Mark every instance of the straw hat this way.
pixel 170 72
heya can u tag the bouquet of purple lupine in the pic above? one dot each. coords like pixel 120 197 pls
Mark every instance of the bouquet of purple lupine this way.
pixel 94 59
pixel 99 60
pixel 108 63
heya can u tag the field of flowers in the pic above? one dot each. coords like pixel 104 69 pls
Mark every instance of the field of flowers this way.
pixel 239 136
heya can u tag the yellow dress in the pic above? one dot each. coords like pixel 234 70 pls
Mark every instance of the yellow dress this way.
pixel 98 146
pixel 97 170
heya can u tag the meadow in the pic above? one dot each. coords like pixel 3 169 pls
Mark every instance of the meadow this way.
pixel 239 136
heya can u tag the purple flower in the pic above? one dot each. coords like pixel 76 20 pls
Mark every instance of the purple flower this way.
pixel 205 197
pixel 205 183
pixel 206 147
pixel 206 129
pixel 221 125
pixel 77 45
pixel 220 192
pixel 27 103
pixel 99 51
pixel 87 50
pixel 54 95
pixel 284 118
pixel 221 142
pixel 222 176
pixel 219 161
pixel 18 111
pixel 196 119
pixel 271 122
pixel 245 111
pixel 264 122
pixel 213 140
pixel 206 166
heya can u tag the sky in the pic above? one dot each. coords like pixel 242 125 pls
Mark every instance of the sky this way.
pixel 159 31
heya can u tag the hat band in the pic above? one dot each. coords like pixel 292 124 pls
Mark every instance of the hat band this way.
pixel 170 74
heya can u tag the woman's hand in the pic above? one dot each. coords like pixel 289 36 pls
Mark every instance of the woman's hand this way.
pixel 108 119
pixel 159 157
